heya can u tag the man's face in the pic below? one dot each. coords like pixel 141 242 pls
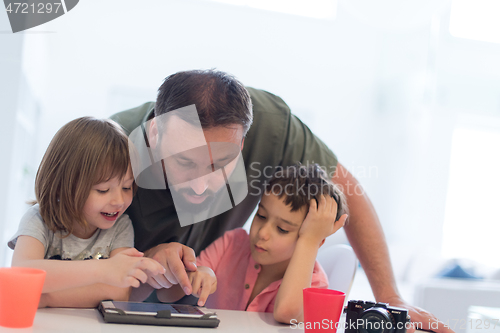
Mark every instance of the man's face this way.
pixel 193 156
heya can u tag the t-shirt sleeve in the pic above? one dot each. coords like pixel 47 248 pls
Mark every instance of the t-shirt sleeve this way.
pixel 132 118
pixel 124 233
pixel 279 138
pixel 32 225
pixel 302 145
pixel 212 255
pixel 319 278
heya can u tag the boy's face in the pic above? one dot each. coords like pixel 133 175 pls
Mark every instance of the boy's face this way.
pixel 274 231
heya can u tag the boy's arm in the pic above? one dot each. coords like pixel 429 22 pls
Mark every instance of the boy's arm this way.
pixel 298 275
pixel 318 224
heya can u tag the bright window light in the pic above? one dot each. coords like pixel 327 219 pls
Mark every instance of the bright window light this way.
pixel 471 226
pixel 322 9
pixel 476 19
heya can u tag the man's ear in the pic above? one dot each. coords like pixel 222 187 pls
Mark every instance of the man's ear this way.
pixel 322 242
pixel 242 143
pixel 153 134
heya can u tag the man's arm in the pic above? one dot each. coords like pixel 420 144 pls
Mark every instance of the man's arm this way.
pixel 365 234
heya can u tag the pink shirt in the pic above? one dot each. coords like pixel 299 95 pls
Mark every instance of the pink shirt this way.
pixel 231 260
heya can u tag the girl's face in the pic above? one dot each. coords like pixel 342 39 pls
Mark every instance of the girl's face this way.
pixel 274 232
pixel 106 203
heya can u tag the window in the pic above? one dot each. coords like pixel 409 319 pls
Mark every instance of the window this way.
pixel 476 19
pixel 471 226
pixel 322 9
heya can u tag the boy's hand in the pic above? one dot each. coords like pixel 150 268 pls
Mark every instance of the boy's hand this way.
pixel 204 283
pixel 129 268
pixel 320 220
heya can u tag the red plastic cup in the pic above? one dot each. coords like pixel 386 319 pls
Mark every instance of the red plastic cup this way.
pixel 322 309
pixel 20 291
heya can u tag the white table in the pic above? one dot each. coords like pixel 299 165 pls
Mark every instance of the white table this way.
pixel 90 321
pixel 483 320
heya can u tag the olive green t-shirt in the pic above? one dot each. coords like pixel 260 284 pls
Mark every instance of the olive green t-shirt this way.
pixel 276 138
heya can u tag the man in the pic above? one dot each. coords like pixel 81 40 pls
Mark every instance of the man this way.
pixel 275 138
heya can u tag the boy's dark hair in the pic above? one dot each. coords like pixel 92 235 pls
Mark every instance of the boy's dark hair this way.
pixel 298 184
pixel 220 99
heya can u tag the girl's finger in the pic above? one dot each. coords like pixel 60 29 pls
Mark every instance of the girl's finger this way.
pixel 131 282
pixel 139 275
pixel 162 281
pixel 151 265
pixel 152 282
pixel 170 276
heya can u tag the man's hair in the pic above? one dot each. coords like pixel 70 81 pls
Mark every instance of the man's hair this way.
pixel 83 153
pixel 220 99
pixel 298 184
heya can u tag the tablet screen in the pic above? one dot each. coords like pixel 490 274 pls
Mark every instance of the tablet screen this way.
pixel 153 308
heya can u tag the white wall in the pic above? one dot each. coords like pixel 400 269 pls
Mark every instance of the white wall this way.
pixel 10 81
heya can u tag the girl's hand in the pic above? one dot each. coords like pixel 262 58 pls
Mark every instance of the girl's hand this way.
pixel 129 268
pixel 204 283
pixel 320 220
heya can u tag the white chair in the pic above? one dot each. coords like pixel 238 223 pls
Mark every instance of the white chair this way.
pixel 339 262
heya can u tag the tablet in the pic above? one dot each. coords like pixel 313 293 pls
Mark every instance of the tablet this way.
pixel 157 314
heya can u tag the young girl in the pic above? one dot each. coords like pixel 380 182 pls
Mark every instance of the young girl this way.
pixel 266 270
pixel 83 186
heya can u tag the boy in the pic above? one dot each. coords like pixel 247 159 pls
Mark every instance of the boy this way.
pixel 266 270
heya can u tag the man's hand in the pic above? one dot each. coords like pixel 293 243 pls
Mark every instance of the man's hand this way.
pixel 176 258
pixel 320 220
pixel 420 319
pixel 204 283
pixel 129 268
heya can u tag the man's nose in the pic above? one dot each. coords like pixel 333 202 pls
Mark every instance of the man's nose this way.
pixel 199 185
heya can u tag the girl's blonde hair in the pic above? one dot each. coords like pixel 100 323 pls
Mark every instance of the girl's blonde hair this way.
pixel 83 153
